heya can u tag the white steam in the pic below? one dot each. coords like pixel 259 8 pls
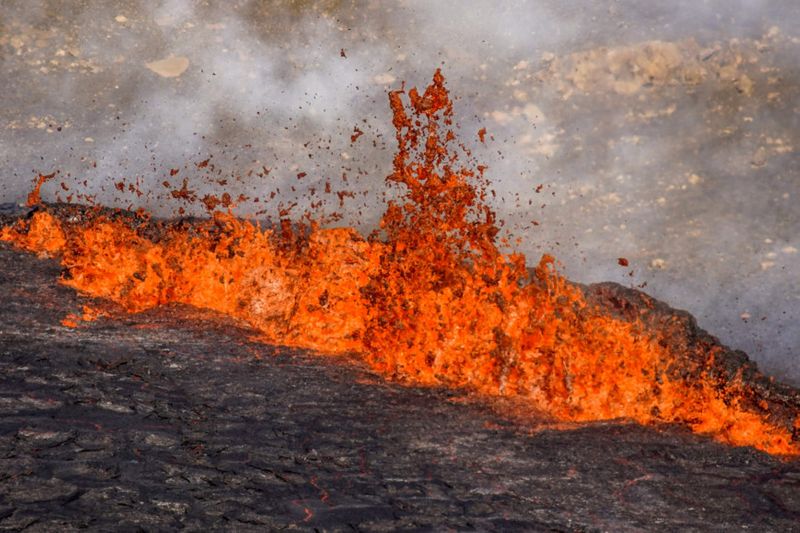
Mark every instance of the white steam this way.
pixel 662 132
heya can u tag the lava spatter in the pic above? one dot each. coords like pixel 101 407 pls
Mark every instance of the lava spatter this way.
pixel 428 299
pixel 35 196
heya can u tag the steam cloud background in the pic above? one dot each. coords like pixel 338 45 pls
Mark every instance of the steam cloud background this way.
pixel 662 132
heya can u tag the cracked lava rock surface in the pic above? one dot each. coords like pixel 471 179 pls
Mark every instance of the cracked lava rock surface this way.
pixel 174 419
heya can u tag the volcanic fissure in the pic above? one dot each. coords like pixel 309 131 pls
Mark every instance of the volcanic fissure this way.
pixel 428 299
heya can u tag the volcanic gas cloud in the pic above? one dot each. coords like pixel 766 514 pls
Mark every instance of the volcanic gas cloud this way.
pixel 428 298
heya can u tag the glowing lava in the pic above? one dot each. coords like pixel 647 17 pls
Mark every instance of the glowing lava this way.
pixel 429 299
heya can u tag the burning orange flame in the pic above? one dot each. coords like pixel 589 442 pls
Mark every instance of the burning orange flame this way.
pixel 429 299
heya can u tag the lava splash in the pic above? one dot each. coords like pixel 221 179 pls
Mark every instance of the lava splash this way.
pixel 429 298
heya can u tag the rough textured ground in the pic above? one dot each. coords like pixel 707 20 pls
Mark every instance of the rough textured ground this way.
pixel 174 419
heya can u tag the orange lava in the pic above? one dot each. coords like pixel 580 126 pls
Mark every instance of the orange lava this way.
pixel 427 299
pixel 34 197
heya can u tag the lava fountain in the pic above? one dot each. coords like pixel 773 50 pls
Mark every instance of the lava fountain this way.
pixel 428 299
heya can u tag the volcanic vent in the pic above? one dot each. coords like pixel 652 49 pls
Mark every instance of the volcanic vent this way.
pixel 428 299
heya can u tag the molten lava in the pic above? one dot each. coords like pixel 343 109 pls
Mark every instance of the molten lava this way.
pixel 34 197
pixel 428 299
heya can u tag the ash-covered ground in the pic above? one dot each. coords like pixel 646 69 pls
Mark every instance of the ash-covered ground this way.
pixel 175 419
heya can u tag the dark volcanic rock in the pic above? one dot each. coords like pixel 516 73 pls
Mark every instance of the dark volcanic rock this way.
pixel 174 419
pixel 702 352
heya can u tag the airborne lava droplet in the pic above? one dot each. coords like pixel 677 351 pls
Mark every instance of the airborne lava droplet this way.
pixel 35 196
pixel 356 134
pixel 184 193
pixel 430 299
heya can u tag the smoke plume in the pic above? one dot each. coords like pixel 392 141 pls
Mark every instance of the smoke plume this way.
pixel 664 134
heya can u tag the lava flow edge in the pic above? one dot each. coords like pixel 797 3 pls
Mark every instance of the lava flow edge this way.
pixel 428 299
